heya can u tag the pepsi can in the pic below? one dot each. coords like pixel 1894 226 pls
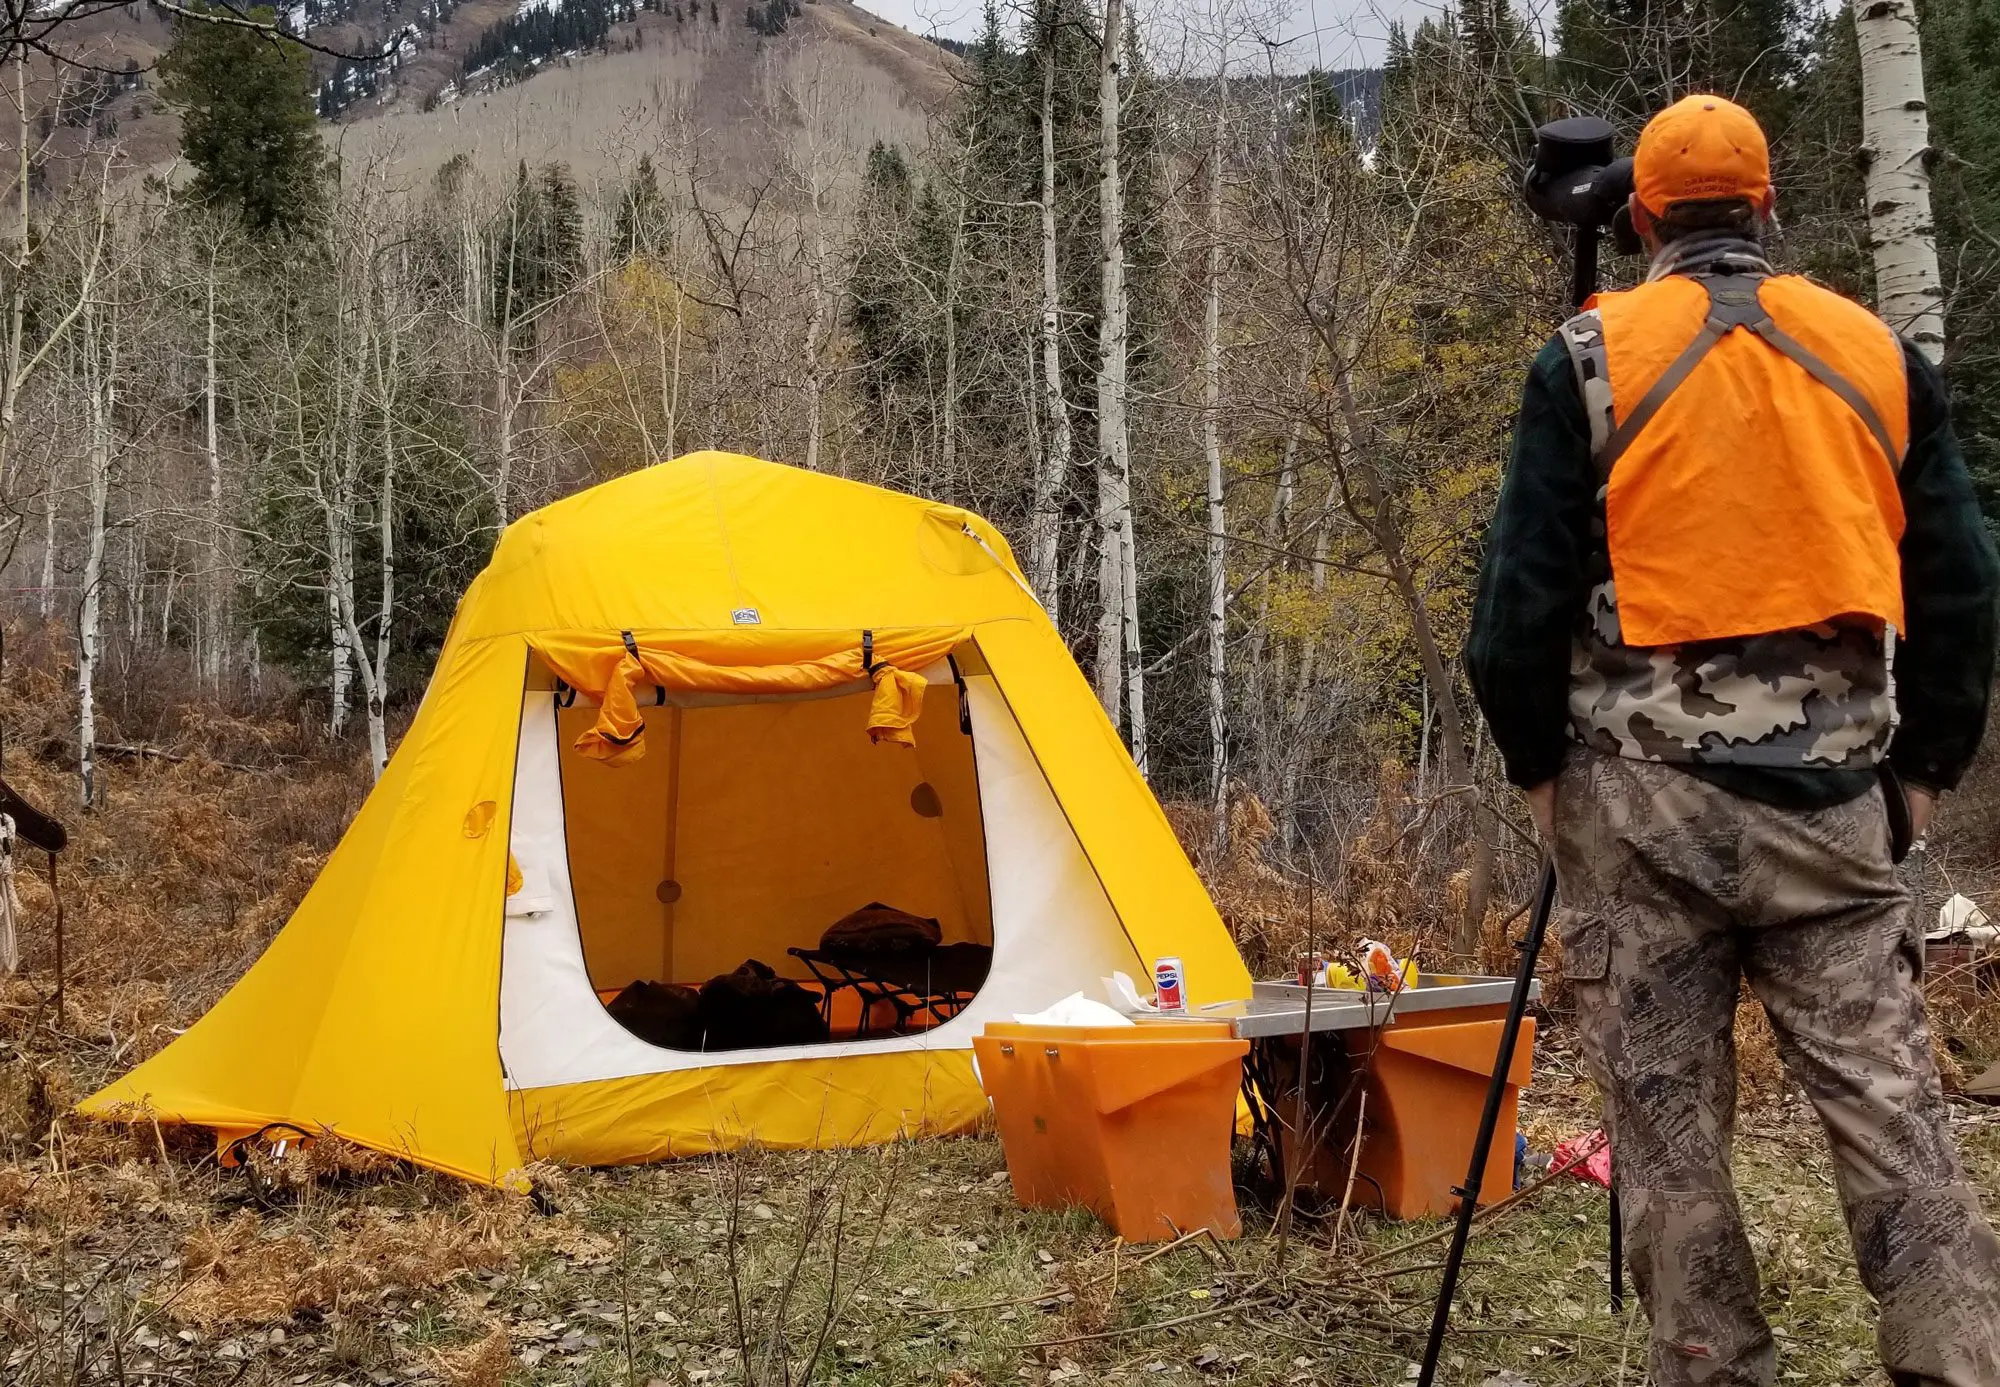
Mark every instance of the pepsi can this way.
pixel 1168 994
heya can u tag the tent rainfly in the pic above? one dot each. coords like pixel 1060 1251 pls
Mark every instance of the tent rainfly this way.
pixel 686 718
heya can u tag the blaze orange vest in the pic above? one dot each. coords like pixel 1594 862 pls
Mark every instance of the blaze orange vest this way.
pixel 1749 431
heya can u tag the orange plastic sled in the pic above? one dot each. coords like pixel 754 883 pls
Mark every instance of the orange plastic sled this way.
pixel 1131 1122
pixel 1426 1085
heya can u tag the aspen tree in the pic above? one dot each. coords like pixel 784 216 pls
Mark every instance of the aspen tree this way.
pixel 1044 569
pixel 1218 513
pixel 1120 675
pixel 1895 126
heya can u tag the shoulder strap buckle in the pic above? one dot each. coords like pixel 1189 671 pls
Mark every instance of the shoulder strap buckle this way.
pixel 1583 338
pixel 1733 302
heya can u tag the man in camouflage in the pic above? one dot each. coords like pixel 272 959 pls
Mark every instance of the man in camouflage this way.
pixel 1719 811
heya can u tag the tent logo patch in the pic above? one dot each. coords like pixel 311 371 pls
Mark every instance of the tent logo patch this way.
pixel 746 616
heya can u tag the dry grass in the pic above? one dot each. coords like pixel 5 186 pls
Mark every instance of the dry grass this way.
pixel 126 1250
pixel 241 1271
pixel 482 1364
pixel 1381 873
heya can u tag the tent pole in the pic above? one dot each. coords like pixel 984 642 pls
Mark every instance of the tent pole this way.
pixel 670 898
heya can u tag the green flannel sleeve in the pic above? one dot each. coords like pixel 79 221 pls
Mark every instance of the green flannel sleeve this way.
pixel 1951 579
pixel 1534 575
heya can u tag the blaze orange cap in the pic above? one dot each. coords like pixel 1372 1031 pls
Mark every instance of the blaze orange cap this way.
pixel 1698 149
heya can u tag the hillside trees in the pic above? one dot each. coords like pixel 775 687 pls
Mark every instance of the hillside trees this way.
pixel 1229 353
pixel 515 265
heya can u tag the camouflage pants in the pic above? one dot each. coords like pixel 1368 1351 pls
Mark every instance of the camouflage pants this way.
pixel 1671 889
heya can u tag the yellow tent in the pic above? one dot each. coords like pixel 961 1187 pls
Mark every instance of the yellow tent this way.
pixel 690 717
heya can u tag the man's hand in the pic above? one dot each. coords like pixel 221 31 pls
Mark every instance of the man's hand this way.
pixel 1921 802
pixel 1542 804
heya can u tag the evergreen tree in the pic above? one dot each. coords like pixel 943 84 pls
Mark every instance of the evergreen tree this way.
pixel 517 46
pixel 642 213
pixel 1961 40
pixel 538 242
pixel 248 125
pixel 1627 58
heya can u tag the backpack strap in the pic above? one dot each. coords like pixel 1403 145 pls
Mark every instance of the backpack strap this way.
pixel 1732 303
pixel 1583 337
pixel 1817 367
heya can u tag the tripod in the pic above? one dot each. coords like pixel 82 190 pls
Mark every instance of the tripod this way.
pixel 1582 285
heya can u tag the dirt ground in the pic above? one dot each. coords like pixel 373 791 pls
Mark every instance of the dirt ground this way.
pixel 128 1257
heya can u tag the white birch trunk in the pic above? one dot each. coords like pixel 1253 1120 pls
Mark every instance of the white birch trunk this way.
pixel 215 606
pixel 378 684
pixel 387 357
pixel 1044 568
pixel 948 444
pixel 100 376
pixel 817 321
pixel 1211 438
pixel 1128 533
pixel 51 499
pixel 670 369
pixel 504 395
pixel 503 460
pixel 135 586
pixel 341 676
pixel 1114 477
pixel 337 453
pixel 1895 130
pixel 17 300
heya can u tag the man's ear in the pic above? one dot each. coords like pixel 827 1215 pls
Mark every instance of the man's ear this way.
pixel 1767 208
pixel 1643 225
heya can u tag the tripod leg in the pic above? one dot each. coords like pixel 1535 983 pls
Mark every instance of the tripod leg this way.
pixel 1489 1118
pixel 1617 1252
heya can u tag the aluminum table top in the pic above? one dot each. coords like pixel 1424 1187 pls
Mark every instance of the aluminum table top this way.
pixel 1280 1008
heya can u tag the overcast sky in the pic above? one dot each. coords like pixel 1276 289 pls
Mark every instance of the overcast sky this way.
pixel 1315 33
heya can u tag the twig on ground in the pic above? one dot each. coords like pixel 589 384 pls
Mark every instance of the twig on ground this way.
pixel 1506 1205
pixel 138 752
pixel 1235 1308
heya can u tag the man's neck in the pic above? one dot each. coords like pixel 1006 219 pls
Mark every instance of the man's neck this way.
pixel 1717 252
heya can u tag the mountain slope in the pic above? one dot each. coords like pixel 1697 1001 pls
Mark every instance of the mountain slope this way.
pixel 733 97
pixel 692 75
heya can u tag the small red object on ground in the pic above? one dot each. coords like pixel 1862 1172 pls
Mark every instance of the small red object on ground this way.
pixel 1588 1157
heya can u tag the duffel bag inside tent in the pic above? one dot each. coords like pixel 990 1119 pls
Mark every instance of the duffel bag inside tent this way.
pixel 684 721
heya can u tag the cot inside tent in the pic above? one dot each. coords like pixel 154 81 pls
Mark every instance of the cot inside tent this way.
pixel 750 825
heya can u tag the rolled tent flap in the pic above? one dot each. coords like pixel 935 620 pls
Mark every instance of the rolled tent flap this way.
pixel 898 703
pixel 610 667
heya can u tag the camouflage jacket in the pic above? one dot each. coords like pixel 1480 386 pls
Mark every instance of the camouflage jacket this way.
pixel 1796 699
pixel 1797 708
pixel 1814 698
